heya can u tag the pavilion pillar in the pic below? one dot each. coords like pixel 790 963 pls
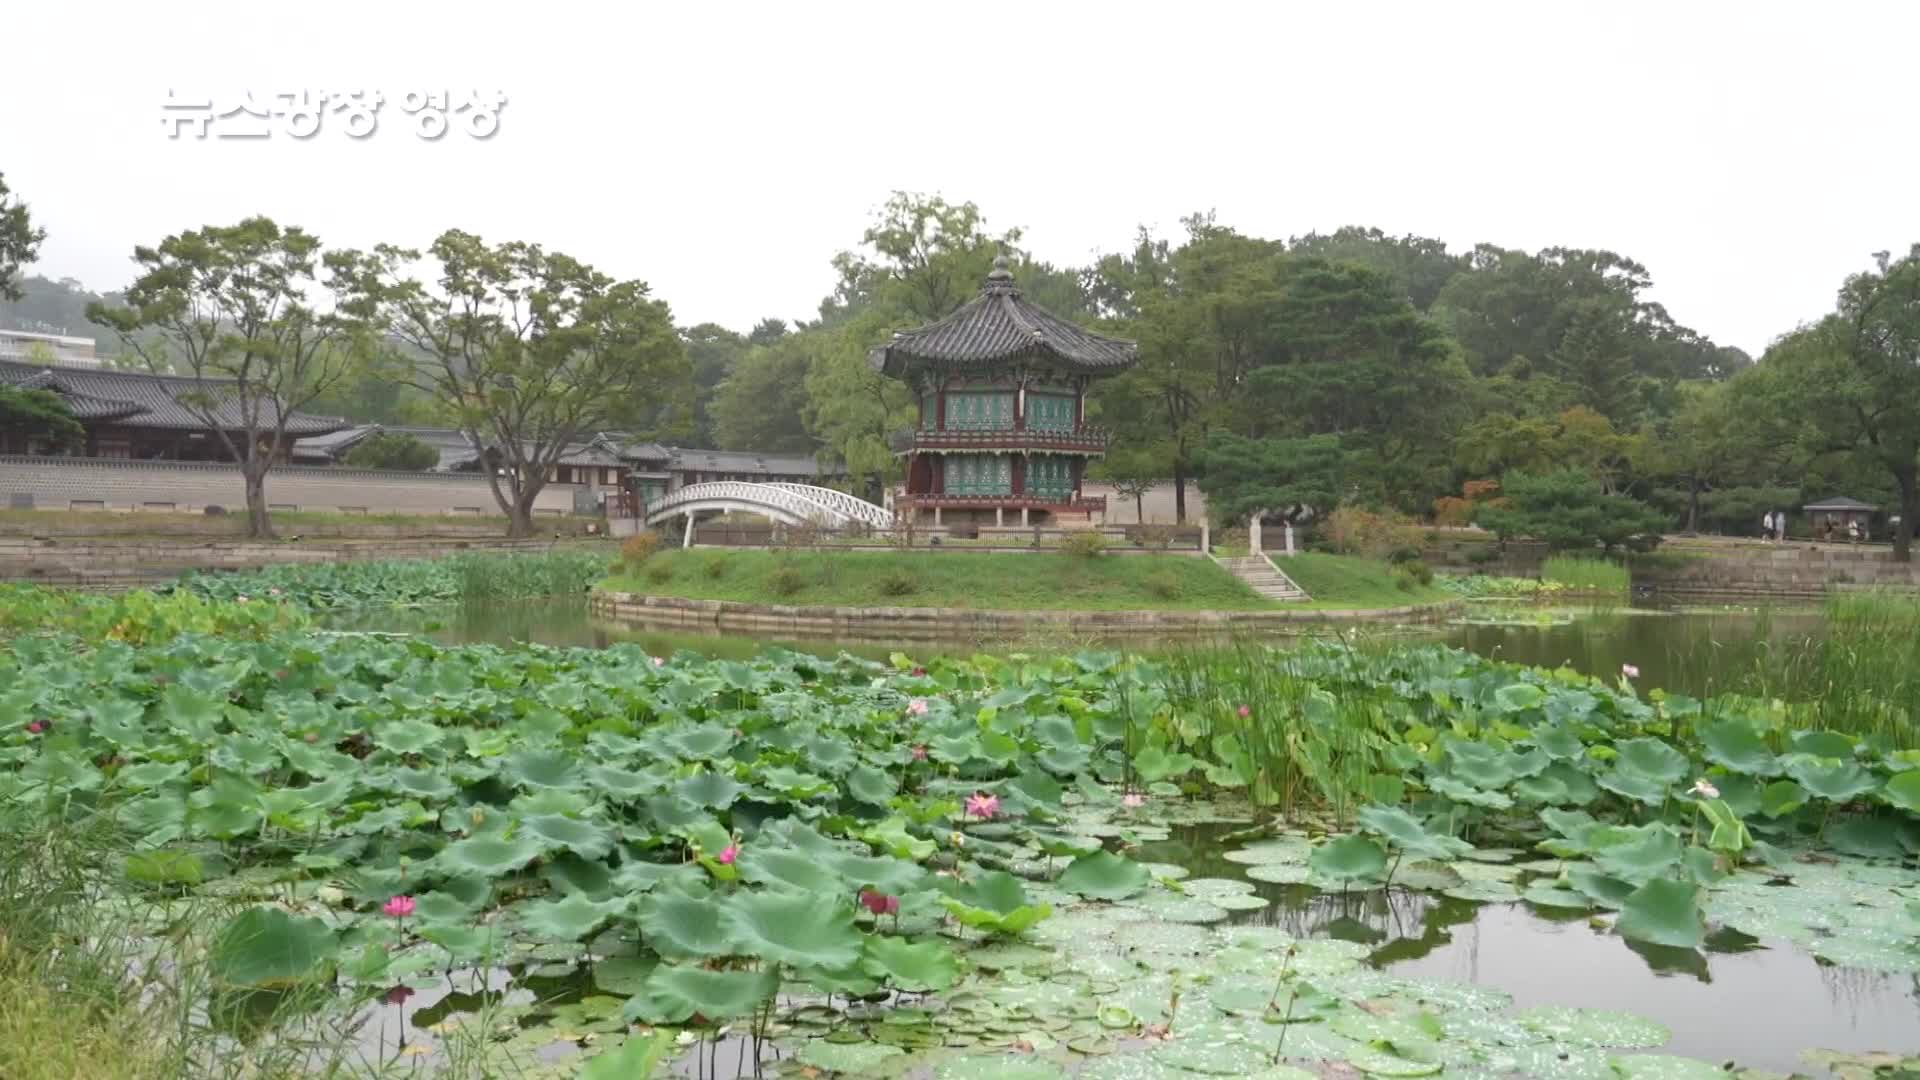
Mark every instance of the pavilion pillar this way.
pixel 999 517
pixel 687 540
pixel 936 516
pixel 1023 517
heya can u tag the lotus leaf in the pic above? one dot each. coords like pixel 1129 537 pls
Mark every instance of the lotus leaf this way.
pixel 1349 859
pixel 543 769
pixel 686 926
pixel 1104 876
pixel 1736 745
pixel 854 1059
pixel 488 856
pixel 569 918
pixel 1595 1027
pixel 1665 1067
pixel 920 967
pixel 798 929
pixel 265 948
pixel 1838 781
pixel 676 993
pixel 1401 830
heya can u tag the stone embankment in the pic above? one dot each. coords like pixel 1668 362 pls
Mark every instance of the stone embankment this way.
pixel 1683 573
pixel 110 564
pixel 965 624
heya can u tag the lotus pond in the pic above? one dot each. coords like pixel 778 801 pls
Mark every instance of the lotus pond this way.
pixel 1324 860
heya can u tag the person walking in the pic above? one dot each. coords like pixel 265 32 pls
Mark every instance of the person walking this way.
pixel 1853 530
pixel 1766 526
pixel 1780 525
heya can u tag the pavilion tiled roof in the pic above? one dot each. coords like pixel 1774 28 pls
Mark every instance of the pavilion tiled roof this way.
pixel 1839 502
pixel 150 401
pixel 1001 326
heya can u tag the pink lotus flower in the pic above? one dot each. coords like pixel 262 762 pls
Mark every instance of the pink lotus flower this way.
pixel 917 707
pixel 1704 789
pixel 36 727
pixel 399 907
pixel 1133 800
pixel 1630 671
pixel 728 854
pixel 982 805
pixel 919 753
pixel 399 994
pixel 879 903
pixel 659 661
pixel 919 672
pixel 1245 712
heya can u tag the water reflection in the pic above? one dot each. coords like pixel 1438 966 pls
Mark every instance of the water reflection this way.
pixel 1739 998
pixel 1694 652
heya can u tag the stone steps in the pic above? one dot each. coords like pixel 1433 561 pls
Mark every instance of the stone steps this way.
pixel 1264 578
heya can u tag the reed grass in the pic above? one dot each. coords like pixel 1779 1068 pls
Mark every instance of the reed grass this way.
pixel 1859 673
pixel 1589 575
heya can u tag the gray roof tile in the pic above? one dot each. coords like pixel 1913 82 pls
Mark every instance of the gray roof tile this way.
pixel 1000 326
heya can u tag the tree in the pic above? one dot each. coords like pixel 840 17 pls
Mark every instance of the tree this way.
pixel 713 353
pixel 229 308
pixel 1854 379
pixel 529 350
pixel 1245 476
pixel 39 412
pixel 920 259
pixel 1709 444
pixel 1568 510
pixel 760 404
pixel 395 450
pixel 1418 266
pixel 1133 471
pixel 19 241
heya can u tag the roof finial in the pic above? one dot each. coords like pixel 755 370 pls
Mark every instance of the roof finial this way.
pixel 1000 278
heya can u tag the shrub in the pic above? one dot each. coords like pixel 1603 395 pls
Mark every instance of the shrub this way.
pixel 898 583
pixel 1452 510
pixel 1164 585
pixel 659 573
pixel 1402 555
pixel 715 567
pixel 1354 531
pixel 640 547
pixel 1155 537
pixel 1083 545
pixel 786 579
pixel 393 450
pixel 1412 575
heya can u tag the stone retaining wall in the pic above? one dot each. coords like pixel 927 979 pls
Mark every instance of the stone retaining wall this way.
pixel 42 483
pixel 105 564
pixel 948 624
pixel 1792 573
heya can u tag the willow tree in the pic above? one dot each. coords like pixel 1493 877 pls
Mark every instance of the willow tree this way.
pixel 528 350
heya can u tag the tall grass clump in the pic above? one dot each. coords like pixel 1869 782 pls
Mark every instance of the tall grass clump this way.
pixel 1581 573
pixel 1859 673
pixel 1303 729
pixel 100 980
pixel 479 578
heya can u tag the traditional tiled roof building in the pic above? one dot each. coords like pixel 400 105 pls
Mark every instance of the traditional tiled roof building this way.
pixel 130 414
pixel 1002 386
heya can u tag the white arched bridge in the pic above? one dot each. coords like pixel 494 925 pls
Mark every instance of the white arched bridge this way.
pixel 789 504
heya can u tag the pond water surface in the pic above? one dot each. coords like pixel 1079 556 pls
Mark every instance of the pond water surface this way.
pixel 1690 652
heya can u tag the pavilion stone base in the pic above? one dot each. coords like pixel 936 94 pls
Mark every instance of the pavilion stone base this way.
pixel 997 517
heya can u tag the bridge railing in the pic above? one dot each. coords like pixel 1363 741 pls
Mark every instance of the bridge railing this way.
pixel 769 499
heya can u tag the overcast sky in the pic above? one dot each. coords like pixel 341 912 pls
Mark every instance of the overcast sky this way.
pixel 1751 154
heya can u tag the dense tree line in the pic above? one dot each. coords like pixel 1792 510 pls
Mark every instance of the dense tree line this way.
pixel 1352 367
